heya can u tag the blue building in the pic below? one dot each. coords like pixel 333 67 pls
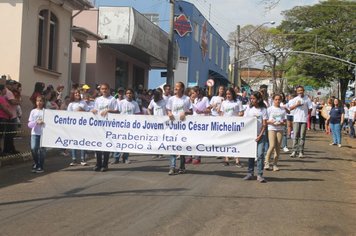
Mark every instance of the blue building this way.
pixel 204 54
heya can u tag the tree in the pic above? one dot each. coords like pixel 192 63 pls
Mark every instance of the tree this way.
pixel 270 44
pixel 333 23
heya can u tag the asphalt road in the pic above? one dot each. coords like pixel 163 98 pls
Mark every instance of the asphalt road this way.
pixel 311 196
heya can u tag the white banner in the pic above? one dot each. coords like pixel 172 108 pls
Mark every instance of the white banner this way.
pixel 197 135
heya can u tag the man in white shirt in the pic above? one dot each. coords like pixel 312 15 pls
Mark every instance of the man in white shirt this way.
pixel 178 105
pixel 302 106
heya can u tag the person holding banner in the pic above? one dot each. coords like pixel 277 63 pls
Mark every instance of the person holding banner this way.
pixel 77 104
pixel 257 109
pixel 178 105
pixel 103 105
pixel 200 106
pixel 35 123
pixel 128 106
pixel 231 106
pixel 216 101
pixel 157 107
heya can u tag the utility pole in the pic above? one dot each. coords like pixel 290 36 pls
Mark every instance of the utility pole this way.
pixel 170 73
pixel 238 57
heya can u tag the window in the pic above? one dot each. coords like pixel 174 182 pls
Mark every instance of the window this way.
pixel 47 40
pixel 196 32
pixel 211 46
pixel 216 51
pixel 222 58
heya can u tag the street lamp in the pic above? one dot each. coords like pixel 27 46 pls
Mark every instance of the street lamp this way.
pixel 237 79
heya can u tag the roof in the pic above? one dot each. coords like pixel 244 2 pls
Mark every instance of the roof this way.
pixel 82 34
pixel 257 73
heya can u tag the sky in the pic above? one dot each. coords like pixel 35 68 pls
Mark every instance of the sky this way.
pixel 223 15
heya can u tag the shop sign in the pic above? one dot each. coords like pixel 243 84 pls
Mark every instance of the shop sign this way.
pixel 182 25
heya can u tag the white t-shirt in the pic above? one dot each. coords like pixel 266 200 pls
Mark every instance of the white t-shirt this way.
pixel 36 115
pixel 178 105
pixel 158 108
pixel 231 108
pixel 165 98
pixel 352 111
pixel 103 103
pixel 90 105
pixel 277 114
pixel 128 107
pixel 314 106
pixel 77 106
pixel 259 113
pixel 200 105
pixel 215 102
pixel 301 112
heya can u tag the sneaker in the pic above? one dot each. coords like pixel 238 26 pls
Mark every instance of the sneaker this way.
pixel 127 162
pixel 301 155
pixel 196 161
pixel 238 165
pixel 275 168
pixel 96 168
pixel 104 169
pixel 261 179
pixel 73 163
pixel 39 170
pixel 285 149
pixel 266 166
pixel 248 177
pixel 83 163
pixel 114 162
pixel 171 171
pixel 181 171
pixel 331 144
pixel 226 163
pixel 293 155
pixel 189 160
pixel 339 145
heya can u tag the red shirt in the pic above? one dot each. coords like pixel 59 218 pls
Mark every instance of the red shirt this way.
pixel 4 103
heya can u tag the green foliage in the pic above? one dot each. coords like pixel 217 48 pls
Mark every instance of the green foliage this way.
pixel 326 28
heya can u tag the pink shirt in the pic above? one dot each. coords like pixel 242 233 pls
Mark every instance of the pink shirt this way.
pixel 4 103
pixel 10 96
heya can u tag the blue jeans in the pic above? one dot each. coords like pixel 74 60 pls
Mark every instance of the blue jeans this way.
pixel 284 138
pixel 172 162
pixel 336 132
pixel 38 153
pixel 117 156
pixel 260 158
pixel 82 155
pixel 352 128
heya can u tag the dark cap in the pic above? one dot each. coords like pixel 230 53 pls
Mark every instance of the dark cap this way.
pixel 11 81
pixel 120 89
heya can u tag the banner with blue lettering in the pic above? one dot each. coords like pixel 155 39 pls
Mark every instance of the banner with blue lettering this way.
pixel 197 135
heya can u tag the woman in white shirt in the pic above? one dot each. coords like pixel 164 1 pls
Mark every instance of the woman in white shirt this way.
pixel 231 107
pixel 216 101
pixel 200 106
pixel 276 122
pixel 77 104
pixel 257 109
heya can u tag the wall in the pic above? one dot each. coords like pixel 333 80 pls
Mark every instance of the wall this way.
pixel 10 40
pixel 191 48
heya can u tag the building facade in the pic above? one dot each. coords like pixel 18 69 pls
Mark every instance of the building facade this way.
pixel 131 45
pixel 36 41
pixel 204 54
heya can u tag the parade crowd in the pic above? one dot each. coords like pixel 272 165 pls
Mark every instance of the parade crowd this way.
pixel 279 118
